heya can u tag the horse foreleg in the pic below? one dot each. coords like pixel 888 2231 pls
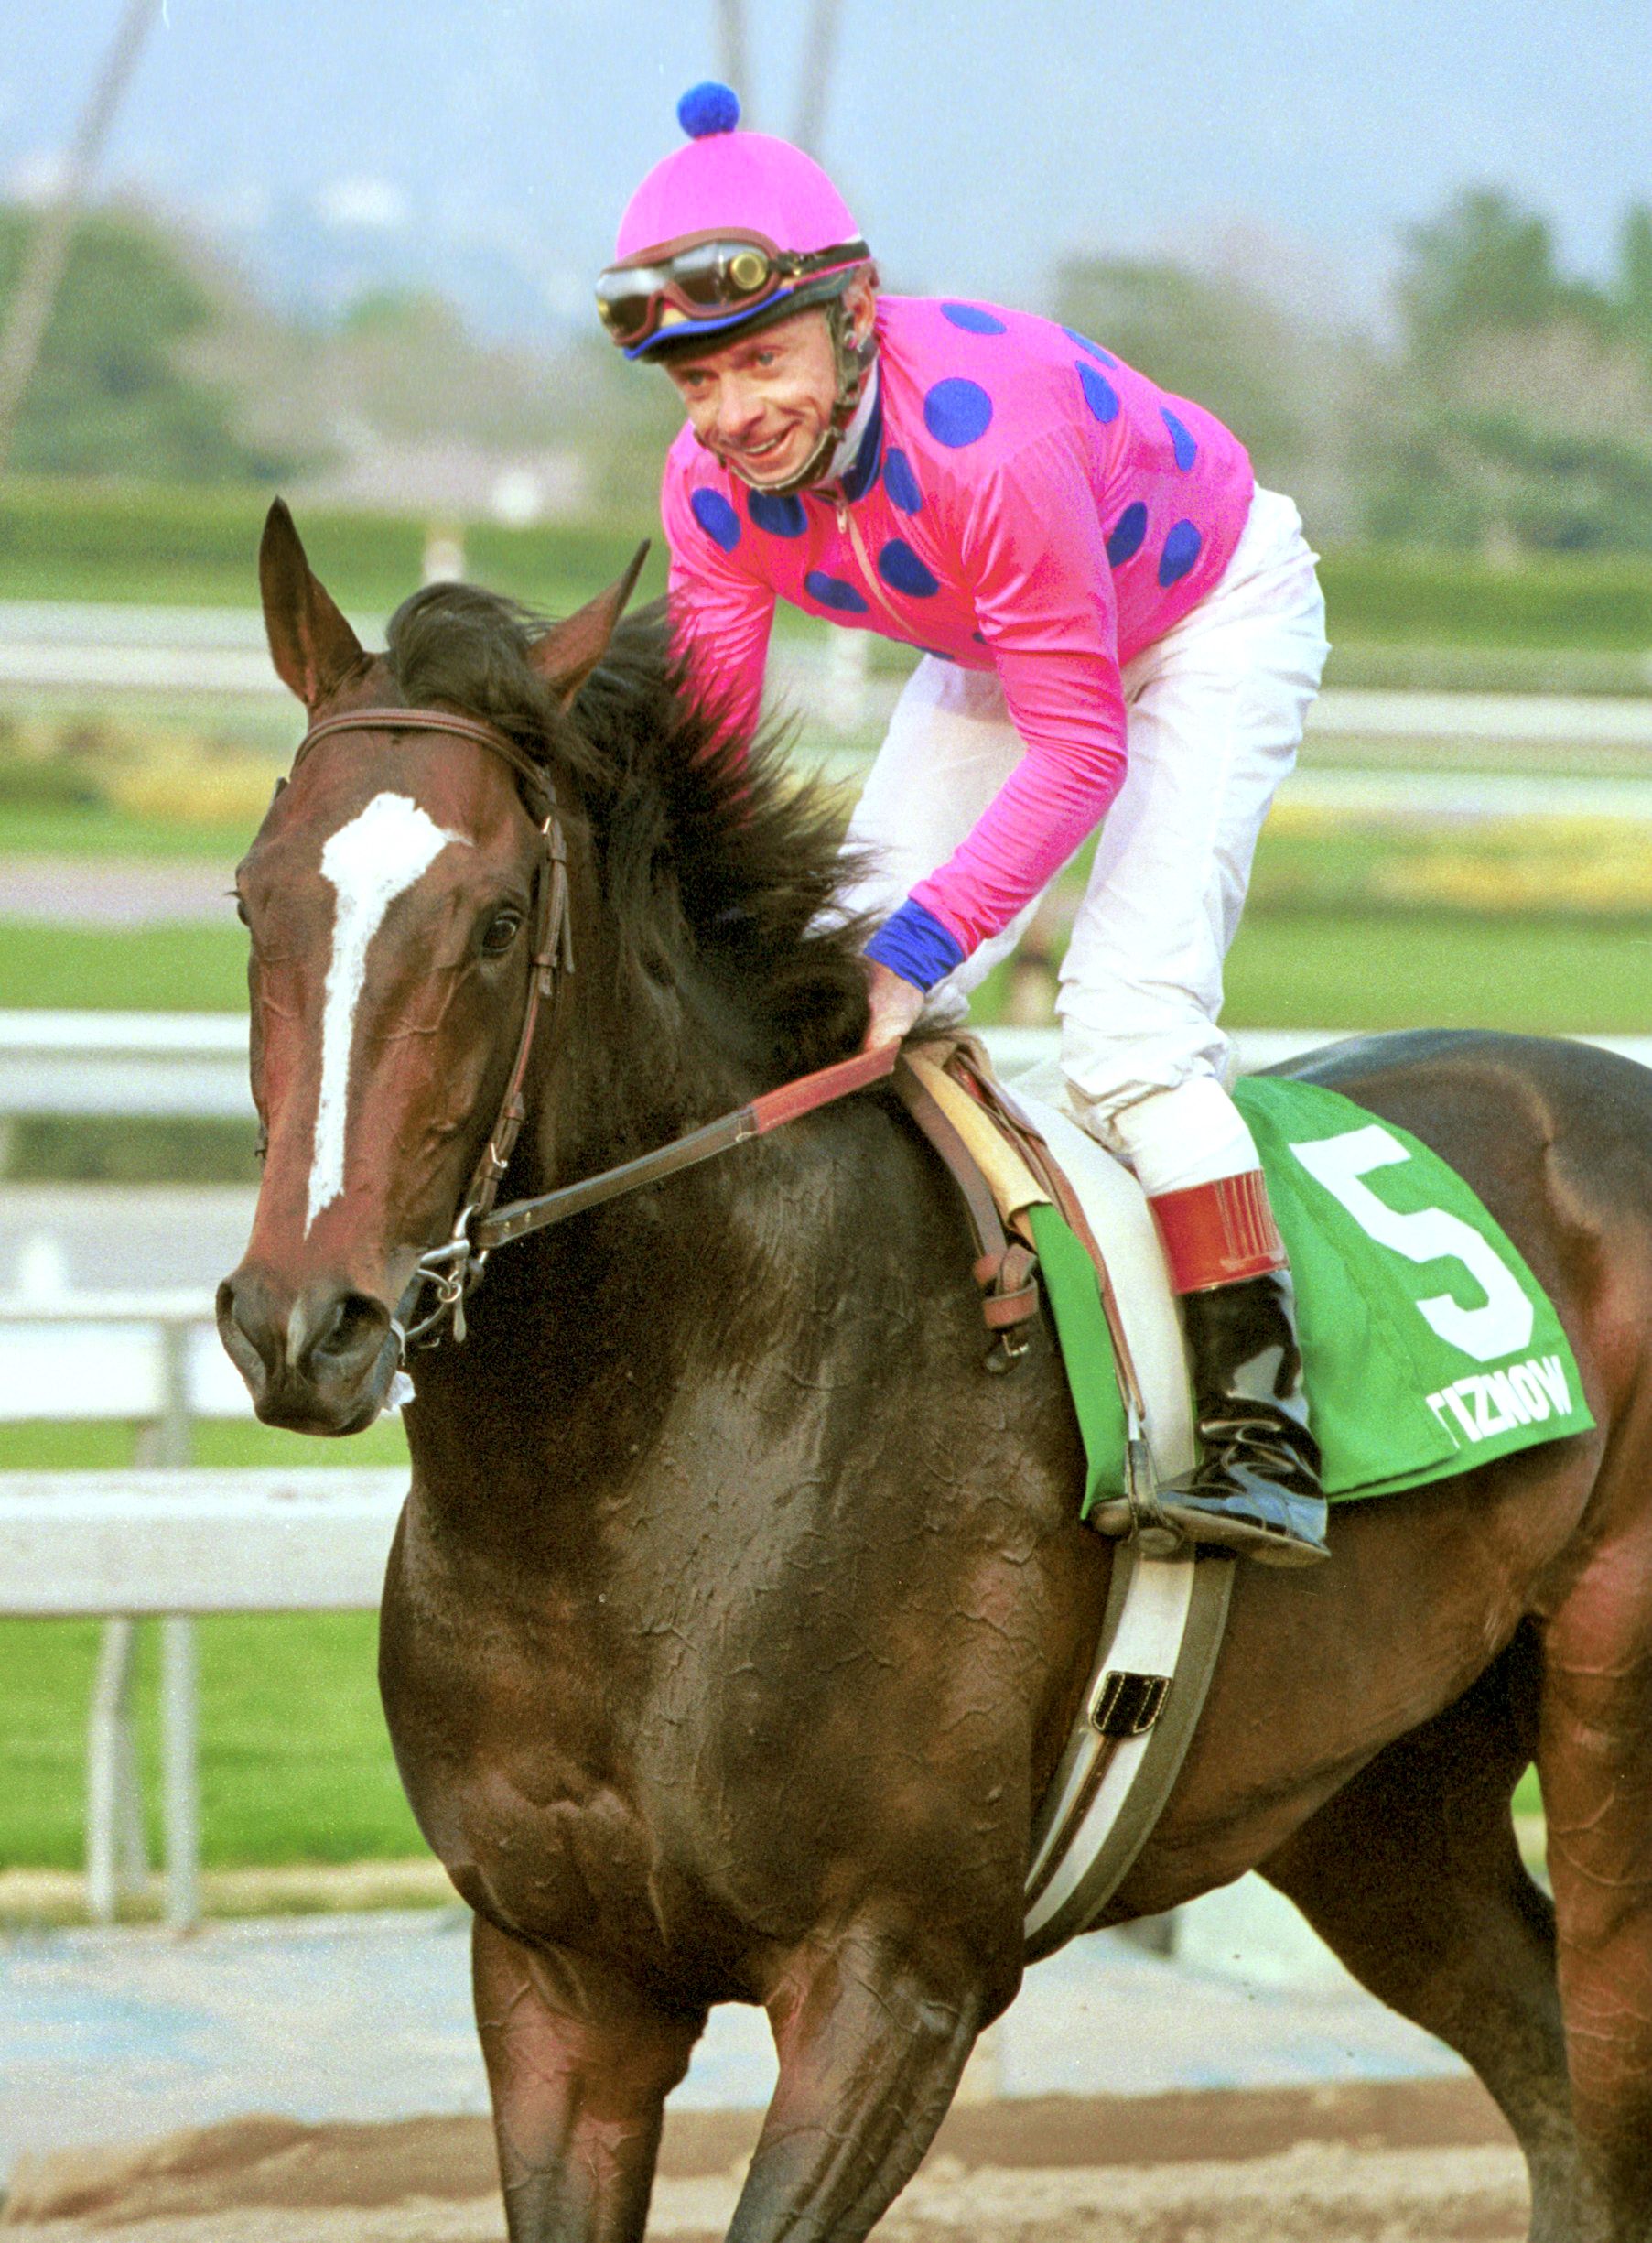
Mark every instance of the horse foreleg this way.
pixel 1410 1873
pixel 579 2065
pixel 871 2042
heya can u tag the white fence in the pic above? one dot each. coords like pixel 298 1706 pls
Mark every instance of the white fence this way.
pixel 176 1542
pixel 93 647
pixel 172 1541
pixel 187 1065
pixel 194 1065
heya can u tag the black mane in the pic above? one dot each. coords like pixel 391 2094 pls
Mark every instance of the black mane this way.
pixel 716 863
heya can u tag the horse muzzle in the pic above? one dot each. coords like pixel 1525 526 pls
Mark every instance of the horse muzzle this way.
pixel 320 1361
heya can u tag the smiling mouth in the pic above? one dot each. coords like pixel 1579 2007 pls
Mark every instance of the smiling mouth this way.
pixel 757 455
pixel 751 461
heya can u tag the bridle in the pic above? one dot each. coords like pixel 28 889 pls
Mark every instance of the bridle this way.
pixel 454 1269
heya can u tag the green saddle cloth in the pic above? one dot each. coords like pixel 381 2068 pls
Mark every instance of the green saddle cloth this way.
pixel 1428 1345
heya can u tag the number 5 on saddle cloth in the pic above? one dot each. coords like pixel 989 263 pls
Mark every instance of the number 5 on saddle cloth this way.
pixel 1429 1347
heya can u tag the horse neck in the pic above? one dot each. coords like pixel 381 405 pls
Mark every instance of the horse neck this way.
pixel 640 1059
pixel 593 1329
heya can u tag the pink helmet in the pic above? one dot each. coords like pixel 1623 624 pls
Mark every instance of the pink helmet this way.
pixel 734 229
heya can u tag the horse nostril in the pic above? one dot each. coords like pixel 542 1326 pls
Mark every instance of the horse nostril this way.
pixel 249 1336
pixel 330 1333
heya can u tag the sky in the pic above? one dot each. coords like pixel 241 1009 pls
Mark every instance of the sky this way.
pixel 487 147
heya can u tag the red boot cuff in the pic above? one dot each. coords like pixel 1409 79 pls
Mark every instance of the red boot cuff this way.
pixel 1214 1234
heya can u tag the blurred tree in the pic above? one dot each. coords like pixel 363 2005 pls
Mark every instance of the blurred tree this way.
pixel 1632 295
pixel 1286 383
pixel 1485 267
pixel 111 394
pixel 1520 414
pixel 629 416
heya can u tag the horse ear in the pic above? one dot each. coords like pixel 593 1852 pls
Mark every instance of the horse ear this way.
pixel 311 645
pixel 571 651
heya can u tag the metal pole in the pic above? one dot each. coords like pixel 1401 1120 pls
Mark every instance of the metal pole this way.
pixel 117 1861
pixel 731 46
pixel 37 291
pixel 816 74
pixel 181 1692
pixel 181 1771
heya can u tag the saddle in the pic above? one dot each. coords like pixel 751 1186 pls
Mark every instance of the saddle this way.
pixel 998 1149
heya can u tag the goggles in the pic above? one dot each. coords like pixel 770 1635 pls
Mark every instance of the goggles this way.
pixel 710 279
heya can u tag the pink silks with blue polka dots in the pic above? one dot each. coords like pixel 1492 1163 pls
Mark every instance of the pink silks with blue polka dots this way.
pixel 1023 502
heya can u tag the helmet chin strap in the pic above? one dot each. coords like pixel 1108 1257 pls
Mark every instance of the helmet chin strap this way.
pixel 854 362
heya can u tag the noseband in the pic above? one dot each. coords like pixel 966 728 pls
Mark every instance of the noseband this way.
pixel 454 1269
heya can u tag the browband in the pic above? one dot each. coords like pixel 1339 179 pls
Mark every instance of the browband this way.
pixel 431 720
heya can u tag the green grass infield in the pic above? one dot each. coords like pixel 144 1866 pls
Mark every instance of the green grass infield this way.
pixel 1309 968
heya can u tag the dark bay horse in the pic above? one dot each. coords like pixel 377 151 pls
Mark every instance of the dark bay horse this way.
pixel 736 1619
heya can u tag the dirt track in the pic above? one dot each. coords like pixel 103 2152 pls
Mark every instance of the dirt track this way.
pixel 1401 2162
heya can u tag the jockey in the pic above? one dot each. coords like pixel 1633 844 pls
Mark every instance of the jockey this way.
pixel 1117 625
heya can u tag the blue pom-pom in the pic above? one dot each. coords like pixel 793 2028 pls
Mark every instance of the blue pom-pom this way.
pixel 709 107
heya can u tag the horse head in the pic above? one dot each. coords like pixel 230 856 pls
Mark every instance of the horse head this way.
pixel 392 894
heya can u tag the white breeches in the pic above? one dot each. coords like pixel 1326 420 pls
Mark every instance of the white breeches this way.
pixel 1216 715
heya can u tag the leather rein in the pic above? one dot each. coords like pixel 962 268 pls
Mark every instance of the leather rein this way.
pixel 455 1269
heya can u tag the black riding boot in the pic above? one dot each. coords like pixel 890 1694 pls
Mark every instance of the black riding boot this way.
pixel 1256 1489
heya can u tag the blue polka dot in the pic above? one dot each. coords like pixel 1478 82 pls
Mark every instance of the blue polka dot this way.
pixel 900 566
pixel 1124 540
pixel 1099 394
pixel 1182 440
pixel 937 654
pixel 973 319
pixel 832 593
pixel 1181 549
pixel 902 484
pixel 781 518
pixel 956 412
pixel 979 637
pixel 1084 343
pixel 716 517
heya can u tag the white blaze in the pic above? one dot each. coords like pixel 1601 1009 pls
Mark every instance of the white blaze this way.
pixel 368 862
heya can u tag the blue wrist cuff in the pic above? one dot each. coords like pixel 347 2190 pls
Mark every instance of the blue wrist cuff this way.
pixel 914 944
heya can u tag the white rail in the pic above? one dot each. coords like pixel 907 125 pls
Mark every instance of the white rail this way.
pixel 195 1539
pixel 171 1540
pixel 95 646
pixel 185 1065
pixel 194 1065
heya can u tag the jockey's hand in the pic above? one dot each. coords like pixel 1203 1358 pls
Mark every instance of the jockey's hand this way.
pixel 895 1005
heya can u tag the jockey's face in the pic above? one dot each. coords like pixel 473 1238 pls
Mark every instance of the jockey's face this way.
pixel 763 402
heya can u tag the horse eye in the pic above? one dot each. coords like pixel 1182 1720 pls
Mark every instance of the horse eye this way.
pixel 240 911
pixel 502 932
